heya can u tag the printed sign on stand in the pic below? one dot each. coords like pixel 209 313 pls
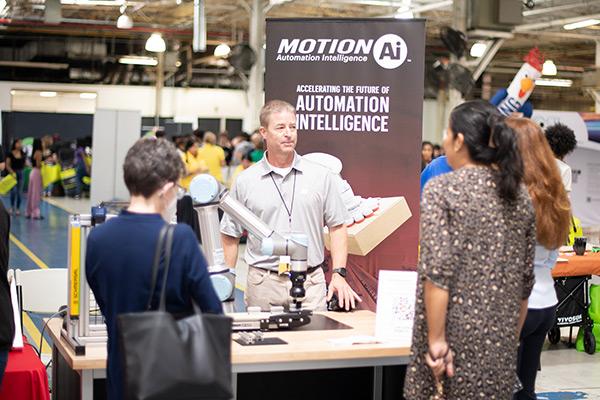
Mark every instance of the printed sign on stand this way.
pixel 396 296
pixel 357 85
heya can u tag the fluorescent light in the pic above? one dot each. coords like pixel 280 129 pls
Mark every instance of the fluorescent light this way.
pixel 91 3
pixel 582 24
pixel 124 22
pixel 222 50
pixel 478 49
pixel 139 60
pixel 549 68
pixel 48 94
pixel 156 43
pixel 554 82
pixel 88 96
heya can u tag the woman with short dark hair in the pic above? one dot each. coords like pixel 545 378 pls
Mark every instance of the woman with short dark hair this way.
pixel 476 264
pixel 562 141
pixel 426 154
pixel 120 252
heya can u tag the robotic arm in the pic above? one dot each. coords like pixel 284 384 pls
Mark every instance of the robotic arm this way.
pixel 209 195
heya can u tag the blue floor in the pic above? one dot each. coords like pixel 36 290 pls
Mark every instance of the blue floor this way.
pixel 46 238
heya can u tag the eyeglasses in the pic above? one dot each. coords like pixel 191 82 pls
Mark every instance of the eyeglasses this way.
pixel 181 192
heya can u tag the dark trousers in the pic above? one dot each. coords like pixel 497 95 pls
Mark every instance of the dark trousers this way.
pixel 537 325
pixel 16 192
pixel 3 361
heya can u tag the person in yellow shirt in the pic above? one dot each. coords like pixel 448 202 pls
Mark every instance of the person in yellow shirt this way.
pixel 213 155
pixel 194 163
pixel 246 163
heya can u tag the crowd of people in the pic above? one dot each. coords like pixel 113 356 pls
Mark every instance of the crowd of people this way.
pixel 45 167
pixel 219 156
pixel 429 152
pixel 491 224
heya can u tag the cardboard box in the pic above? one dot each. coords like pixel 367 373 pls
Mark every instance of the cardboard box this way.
pixel 365 236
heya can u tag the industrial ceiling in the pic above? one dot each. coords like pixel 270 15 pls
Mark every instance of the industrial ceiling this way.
pixel 83 44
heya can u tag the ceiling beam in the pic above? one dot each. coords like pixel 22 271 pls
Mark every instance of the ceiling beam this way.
pixel 578 4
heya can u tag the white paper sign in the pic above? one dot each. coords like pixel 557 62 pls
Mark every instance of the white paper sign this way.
pixel 18 339
pixel 396 293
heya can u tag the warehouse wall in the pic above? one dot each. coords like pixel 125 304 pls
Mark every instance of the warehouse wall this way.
pixel 185 104
pixel 182 103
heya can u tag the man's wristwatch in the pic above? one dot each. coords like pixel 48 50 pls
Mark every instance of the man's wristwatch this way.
pixel 340 271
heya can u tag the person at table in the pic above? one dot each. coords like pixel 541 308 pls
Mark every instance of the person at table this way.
pixel 120 252
pixel 475 271
pixel 552 211
pixel 290 194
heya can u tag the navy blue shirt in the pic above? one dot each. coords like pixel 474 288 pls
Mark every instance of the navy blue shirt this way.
pixel 118 265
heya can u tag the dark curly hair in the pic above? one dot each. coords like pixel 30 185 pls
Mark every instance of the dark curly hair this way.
pixel 561 139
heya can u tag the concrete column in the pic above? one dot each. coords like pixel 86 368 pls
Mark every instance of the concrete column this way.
pixel 160 82
pixel 255 92
pixel 597 66
pixel 459 22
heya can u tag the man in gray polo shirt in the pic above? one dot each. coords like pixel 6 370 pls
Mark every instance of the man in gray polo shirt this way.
pixel 290 194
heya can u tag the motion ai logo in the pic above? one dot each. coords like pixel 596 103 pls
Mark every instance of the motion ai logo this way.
pixel 389 51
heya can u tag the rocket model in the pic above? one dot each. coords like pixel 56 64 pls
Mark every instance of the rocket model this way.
pixel 523 83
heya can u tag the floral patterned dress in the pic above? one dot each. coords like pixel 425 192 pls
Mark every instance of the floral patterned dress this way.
pixel 481 249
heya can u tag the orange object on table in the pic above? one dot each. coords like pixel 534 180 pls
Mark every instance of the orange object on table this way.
pixel 25 377
pixel 588 264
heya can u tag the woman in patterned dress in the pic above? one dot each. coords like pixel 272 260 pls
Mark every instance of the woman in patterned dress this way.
pixel 476 264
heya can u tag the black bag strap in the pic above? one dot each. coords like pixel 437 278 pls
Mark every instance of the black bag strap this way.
pixel 168 247
pixel 156 263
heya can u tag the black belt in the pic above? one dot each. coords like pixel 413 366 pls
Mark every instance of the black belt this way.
pixel 309 270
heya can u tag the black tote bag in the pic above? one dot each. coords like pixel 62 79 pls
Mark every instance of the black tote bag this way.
pixel 165 358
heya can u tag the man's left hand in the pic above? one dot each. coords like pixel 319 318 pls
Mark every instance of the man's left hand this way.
pixel 347 297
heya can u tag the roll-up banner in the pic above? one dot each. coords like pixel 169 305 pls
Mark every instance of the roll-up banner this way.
pixel 357 85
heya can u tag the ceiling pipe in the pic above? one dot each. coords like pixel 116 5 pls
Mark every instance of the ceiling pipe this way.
pixel 553 23
pixel 108 26
pixel 199 38
pixel 563 35
pixel 31 64
pixel 487 58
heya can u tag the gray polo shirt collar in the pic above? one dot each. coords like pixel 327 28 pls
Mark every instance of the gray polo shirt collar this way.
pixel 297 164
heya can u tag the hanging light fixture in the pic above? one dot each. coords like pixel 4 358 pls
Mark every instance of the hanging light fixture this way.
pixel 549 68
pixel 222 50
pixel 124 22
pixel 156 43
pixel 478 49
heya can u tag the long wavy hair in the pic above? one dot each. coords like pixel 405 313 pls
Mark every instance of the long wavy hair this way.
pixel 542 177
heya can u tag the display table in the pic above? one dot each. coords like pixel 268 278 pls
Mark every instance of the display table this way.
pixel 306 350
pixel 588 264
pixel 25 377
